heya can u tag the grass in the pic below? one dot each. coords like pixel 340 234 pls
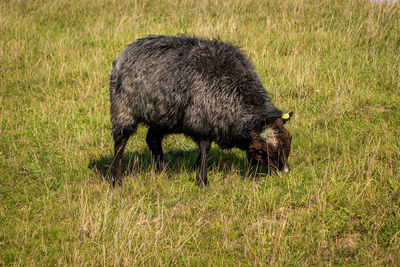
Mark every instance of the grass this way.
pixel 334 63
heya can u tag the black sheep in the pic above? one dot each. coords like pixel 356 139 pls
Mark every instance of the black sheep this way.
pixel 206 89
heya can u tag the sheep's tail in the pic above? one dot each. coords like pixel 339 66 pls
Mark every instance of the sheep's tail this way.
pixel 114 80
pixel 115 84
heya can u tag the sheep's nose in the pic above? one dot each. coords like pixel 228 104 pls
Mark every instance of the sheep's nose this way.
pixel 285 169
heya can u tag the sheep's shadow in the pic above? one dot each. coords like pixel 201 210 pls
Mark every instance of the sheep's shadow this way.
pixel 177 161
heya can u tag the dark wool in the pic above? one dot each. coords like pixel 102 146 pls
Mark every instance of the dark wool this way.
pixel 201 88
pixel 205 89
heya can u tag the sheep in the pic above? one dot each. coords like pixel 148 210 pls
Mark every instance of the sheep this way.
pixel 205 89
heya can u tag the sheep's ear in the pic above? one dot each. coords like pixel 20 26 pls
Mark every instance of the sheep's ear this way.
pixel 286 117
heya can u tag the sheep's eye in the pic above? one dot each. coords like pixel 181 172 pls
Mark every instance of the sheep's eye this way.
pixel 284 144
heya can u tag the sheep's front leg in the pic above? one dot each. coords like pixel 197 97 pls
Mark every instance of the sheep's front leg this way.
pixel 204 146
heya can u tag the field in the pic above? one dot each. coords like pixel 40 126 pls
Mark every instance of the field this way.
pixel 336 64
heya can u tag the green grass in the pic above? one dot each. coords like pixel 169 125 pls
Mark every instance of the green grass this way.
pixel 336 64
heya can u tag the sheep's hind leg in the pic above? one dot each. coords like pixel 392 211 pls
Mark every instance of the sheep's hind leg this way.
pixel 204 146
pixel 120 140
pixel 154 141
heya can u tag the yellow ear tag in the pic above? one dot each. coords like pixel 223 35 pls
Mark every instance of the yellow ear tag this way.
pixel 286 116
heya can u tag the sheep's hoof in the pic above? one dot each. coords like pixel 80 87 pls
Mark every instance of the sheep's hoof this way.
pixel 202 183
pixel 116 182
pixel 161 166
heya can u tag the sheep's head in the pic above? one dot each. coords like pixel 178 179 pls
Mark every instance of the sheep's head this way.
pixel 270 146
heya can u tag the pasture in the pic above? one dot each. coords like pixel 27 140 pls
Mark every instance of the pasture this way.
pixel 336 64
